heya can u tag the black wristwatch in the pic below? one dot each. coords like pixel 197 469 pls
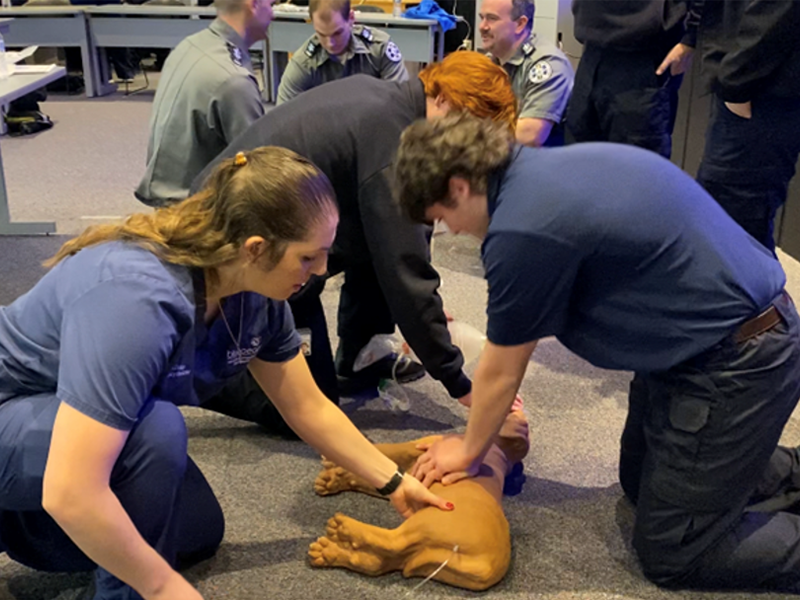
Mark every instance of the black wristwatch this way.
pixel 393 484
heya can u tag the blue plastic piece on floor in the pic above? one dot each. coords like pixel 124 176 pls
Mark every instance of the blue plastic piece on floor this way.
pixel 514 480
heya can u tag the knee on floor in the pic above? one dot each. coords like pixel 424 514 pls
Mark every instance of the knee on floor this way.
pixel 160 438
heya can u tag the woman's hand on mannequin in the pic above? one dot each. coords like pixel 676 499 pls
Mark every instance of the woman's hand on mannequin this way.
pixel 412 496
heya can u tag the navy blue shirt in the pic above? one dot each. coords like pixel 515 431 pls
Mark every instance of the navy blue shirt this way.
pixel 620 255
pixel 113 326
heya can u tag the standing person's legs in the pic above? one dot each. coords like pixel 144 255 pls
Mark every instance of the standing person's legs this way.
pixel 636 106
pixel 582 121
pixel 711 429
pixel 156 483
pixel 748 163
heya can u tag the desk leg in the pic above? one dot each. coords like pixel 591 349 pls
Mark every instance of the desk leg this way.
pixel 9 228
pixel 266 93
pixel 274 78
pixel 440 46
pixel 104 85
pixel 89 58
pixel 278 62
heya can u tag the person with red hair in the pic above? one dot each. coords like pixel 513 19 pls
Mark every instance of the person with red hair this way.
pixel 460 82
pixel 350 129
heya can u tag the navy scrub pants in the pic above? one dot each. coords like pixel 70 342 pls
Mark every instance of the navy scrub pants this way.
pixel 748 163
pixel 715 495
pixel 618 97
pixel 160 487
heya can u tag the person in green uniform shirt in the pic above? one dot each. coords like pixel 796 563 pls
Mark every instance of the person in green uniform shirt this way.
pixel 339 49
pixel 208 94
pixel 541 74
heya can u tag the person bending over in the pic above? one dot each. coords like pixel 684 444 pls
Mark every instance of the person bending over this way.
pixel 632 266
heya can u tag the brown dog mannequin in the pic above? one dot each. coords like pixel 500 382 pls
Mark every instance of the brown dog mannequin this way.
pixel 423 542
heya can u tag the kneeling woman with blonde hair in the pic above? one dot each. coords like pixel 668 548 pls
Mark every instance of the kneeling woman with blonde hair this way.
pixel 135 319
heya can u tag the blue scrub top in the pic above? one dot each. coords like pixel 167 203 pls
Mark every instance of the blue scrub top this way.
pixel 620 254
pixel 113 326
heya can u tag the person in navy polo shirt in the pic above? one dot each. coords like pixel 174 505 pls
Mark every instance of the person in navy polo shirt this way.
pixel 135 319
pixel 632 266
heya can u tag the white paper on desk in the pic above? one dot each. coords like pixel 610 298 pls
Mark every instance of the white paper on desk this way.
pixel 15 57
pixel 30 69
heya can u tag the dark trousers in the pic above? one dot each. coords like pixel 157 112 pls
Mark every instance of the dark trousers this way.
pixel 748 163
pixel 618 97
pixel 363 313
pixel 160 487
pixel 699 458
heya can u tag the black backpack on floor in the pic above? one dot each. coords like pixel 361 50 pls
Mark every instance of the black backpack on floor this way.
pixel 24 117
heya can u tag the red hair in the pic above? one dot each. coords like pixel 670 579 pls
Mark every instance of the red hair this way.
pixel 471 82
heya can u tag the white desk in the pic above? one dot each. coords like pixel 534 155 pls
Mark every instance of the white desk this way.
pixel 53 26
pixel 131 26
pixel 12 88
pixel 420 40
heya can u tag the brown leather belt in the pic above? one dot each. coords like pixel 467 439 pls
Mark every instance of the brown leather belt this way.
pixel 758 325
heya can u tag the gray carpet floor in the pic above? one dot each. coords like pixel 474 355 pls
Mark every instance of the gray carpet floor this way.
pixel 570 525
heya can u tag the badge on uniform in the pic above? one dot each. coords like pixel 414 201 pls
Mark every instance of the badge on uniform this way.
pixel 236 54
pixel 527 48
pixel 540 72
pixel 393 52
pixel 311 49
pixel 366 33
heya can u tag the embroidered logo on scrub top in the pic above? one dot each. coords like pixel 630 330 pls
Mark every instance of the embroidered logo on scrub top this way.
pixel 243 356
pixel 179 371
pixel 540 72
pixel 236 54
pixel 393 52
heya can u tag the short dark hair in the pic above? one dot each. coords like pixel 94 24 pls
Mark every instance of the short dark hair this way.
pixel 523 8
pixel 340 6
pixel 431 152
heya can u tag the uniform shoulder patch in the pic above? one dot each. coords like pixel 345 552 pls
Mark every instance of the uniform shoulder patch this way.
pixel 393 52
pixel 366 33
pixel 311 48
pixel 540 72
pixel 236 54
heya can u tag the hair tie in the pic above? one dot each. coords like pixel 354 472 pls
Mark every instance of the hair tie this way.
pixel 240 159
